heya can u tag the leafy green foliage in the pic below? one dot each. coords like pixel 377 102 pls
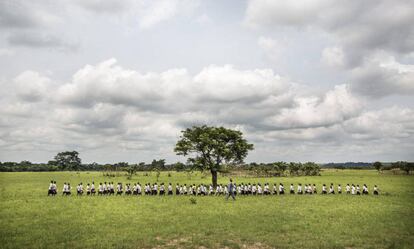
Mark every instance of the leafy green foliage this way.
pixel 407 167
pixel 209 148
pixel 377 165
pixel 68 160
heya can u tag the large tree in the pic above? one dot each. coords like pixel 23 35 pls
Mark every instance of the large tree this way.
pixel 68 160
pixel 209 148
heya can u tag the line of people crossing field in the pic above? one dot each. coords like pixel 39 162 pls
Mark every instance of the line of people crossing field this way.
pixel 109 188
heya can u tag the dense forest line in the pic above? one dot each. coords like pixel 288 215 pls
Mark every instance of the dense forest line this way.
pixel 70 161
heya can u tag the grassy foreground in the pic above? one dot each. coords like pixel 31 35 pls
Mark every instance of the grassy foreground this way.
pixel 30 219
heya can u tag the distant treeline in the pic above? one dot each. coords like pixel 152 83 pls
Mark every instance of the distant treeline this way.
pixel 407 167
pixel 348 165
pixel 70 161
pixel 258 169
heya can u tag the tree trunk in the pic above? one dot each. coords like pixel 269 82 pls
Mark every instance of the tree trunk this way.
pixel 214 178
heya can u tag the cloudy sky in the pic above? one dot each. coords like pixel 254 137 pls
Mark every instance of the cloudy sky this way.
pixel 322 80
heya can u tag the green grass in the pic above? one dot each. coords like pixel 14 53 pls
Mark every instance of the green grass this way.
pixel 30 219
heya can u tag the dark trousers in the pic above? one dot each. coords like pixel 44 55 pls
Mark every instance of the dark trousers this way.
pixel 232 195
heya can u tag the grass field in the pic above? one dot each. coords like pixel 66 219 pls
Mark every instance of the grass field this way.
pixel 30 219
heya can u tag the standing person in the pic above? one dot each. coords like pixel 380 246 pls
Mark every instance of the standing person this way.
pixel 239 189
pixel 292 189
pixel 218 189
pixel 88 189
pixel 100 189
pixel 324 189
pixel 177 189
pixel 376 190
pixel 64 188
pixel 230 188
pixel 190 190
pixel 310 191
pixel 79 189
pixel 211 190
pixel 139 190
pixel 274 188
pixel 339 189
pixel 128 189
pixel 348 188
pixel 259 189
pixel 162 189
pixel 170 189
pixel 266 190
pixel 93 188
pixel 54 188
pixel 119 189
pixel 299 189
pixel 111 188
pixel 331 189
pixel 281 189
pixel 68 189
pixel 105 188
pixel 50 191
pixel 365 189
pixel 315 191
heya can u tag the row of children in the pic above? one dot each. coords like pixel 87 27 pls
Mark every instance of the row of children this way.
pixel 202 189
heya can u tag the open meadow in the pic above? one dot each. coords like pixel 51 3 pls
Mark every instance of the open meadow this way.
pixel 31 219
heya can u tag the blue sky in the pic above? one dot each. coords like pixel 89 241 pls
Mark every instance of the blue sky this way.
pixel 118 80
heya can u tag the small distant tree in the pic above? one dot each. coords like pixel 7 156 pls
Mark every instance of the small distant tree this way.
pixel 158 164
pixel 293 168
pixel 179 166
pixel 120 166
pixel 209 148
pixel 141 166
pixel 157 173
pixel 68 160
pixel 131 169
pixel 311 169
pixel 407 167
pixel 377 165
pixel 282 167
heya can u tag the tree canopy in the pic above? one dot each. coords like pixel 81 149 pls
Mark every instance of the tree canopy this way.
pixel 68 160
pixel 209 148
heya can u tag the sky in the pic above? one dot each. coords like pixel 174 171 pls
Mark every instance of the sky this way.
pixel 117 81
